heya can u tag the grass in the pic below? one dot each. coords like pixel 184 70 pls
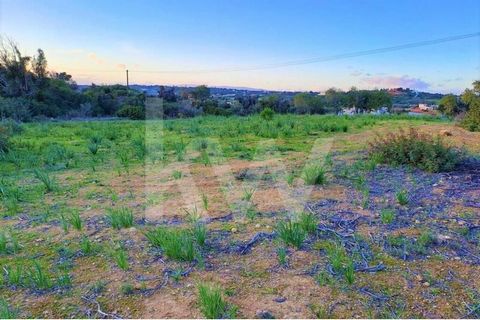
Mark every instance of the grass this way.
pixel 308 222
pixel 48 182
pixel 176 243
pixel 8 243
pixel 292 233
pixel 75 220
pixel 177 174
pixel 387 216
pixel 120 217
pixel 212 303
pixel 314 175
pixel 248 193
pixel 120 257
pixel 282 256
pixel 402 197
pixel 39 278
pixel 6 312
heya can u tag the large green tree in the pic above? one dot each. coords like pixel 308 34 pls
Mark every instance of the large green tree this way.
pixel 471 97
pixel 448 105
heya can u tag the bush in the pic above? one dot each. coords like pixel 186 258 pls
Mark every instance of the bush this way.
pixel 132 112
pixel 267 114
pixel 414 149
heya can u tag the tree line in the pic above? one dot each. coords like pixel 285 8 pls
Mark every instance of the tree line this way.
pixel 28 91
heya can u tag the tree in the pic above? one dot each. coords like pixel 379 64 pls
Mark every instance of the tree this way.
pixel 448 105
pixel 471 121
pixel 201 93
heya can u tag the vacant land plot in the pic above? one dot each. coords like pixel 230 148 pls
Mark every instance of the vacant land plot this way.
pixel 235 217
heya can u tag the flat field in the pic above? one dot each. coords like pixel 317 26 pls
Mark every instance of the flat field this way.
pixel 235 217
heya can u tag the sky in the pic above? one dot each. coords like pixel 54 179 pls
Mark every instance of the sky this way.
pixel 191 42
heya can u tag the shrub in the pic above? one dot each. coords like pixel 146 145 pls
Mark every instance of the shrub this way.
pixel 120 218
pixel 267 114
pixel 414 149
pixel 132 112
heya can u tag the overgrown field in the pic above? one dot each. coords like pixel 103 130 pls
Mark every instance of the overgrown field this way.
pixel 297 216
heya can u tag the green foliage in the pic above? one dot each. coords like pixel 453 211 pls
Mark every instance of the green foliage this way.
pixel 291 232
pixel 448 105
pixel 402 197
pixel 314 174
pixel 387 216
pixel 177 174
pixel 49 182
pixel 120 217
pixel 120 257
pixel 39 278
pixel 6 312
pixel 282 256
pixel 308 222
pixel 415 149
pixel 75 220
pixel 211 302
pixel 8 243
pixel 267 114
pixel 126 288
pixel 132 112
pixel 176 243
pixel 248 193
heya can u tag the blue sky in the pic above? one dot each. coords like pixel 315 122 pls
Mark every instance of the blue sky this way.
pixel 96 40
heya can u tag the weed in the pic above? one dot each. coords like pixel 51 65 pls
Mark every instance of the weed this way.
pixel 8 243
pixel 387 216
pixel 64 223
pixel 282 256
pixel 205 201
pixel 212 304
pixel 314 174
pixel 308 222
pixel 64 280
pixel 126 288
pixel 14 275
pixel 402 197
pixel 86 246
pixel 120 217
pixel 6 312
pixel 248 193
pixel 75 220
pixel 177 175
pixel 176 243
pixel 121 258
pixel 39 278
pixel 291 233
pixel 49 183
pixel 349 271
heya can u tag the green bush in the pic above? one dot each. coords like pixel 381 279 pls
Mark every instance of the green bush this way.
pixel 414 149
pixel 132 112
pixel 267 114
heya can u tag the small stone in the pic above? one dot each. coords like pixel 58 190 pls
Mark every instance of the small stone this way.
pixel 446 133
pixel 233 230
pixel 264 314
pixel 426 284
pixel 257 225
pixel 419 278
pixel 280 299
pixel 457 258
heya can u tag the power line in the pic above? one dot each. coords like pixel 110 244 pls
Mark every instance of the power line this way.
pixel 306 61
pixel 326 58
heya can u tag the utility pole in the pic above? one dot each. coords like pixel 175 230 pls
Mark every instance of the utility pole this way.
pixel 127 79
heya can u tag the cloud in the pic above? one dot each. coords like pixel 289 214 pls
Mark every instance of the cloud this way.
pixel 396 81
pixel 93 57
pixel 121 66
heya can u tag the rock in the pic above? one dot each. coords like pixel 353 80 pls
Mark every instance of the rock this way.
pixel 280 299
pixel 233 230
pixel 446 133
pixel 419 278
pixel 257 225
pixel 264 314
pixel 426 284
